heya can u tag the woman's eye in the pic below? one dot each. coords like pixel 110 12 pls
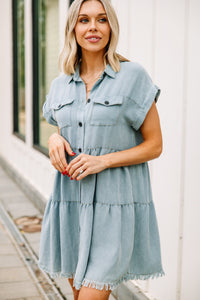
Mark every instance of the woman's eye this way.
pixel 84 20
pixel 103 20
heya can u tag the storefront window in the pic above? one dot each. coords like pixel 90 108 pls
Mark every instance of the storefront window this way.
pixel 45 64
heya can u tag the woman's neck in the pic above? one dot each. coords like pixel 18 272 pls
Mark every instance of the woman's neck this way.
pixel 91 63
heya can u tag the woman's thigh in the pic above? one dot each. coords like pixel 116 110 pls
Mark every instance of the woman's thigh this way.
pixel 87 293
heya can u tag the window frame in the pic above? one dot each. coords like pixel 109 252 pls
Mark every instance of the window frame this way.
pixel 15 112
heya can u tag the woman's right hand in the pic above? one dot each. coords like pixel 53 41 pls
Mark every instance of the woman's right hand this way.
pixel 57 147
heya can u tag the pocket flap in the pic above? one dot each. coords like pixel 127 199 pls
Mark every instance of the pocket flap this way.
pixel 107 101
pixel 60 103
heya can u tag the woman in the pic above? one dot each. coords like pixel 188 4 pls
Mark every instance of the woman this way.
pixel 99 226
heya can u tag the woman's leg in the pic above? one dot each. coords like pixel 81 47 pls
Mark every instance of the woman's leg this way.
pixel 88 293
pixel 75 291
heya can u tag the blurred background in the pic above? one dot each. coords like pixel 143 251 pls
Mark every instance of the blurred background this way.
pixel 164 36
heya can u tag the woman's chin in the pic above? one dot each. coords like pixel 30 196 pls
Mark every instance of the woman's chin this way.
pixel 93 49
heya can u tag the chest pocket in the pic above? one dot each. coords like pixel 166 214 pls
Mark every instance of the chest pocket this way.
pixel 62 112
pixel 106 111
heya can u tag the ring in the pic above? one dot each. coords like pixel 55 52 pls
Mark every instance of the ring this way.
pixel 81 171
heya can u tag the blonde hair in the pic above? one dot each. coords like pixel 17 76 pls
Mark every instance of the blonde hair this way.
pixel 71 52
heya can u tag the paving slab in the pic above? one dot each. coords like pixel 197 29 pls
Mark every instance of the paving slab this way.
pixel 32 237
pixel 12 260
pixel 18 198
pixel 6 248
pixel 4 239
pixel 35 246
pixel 17 212
pixel 20 289
pixel 13 274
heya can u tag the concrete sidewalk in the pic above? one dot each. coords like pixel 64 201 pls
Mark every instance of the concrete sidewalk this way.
pixel 16 280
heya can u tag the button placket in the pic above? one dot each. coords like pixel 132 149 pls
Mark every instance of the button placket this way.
pixel 81 126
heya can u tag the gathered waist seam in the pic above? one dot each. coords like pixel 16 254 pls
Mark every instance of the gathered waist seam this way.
pixel 103 203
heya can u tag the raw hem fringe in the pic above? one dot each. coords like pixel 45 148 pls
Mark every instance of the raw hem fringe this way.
pixel 56 274
pixel 113 285
pixel 100 285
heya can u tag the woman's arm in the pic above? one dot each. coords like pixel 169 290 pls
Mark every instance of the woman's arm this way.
pixel 149 149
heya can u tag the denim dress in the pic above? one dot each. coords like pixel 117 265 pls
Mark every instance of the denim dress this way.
pixel 101 230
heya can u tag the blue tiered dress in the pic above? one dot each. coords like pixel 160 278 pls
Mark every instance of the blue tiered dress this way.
pixel 101 230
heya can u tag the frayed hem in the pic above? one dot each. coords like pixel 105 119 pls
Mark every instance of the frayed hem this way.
pixel 147 276
pixel 56 274
pixel 101 285
pixel 113 285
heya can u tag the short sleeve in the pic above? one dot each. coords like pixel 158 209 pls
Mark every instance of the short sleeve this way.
pixel 143 94
pixel 47 106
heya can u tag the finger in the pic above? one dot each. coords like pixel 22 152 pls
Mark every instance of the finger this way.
pixel 73 162
pixel 54 163
pixel 73 165
pixel 85 173
pixel 63 161
pixel 68 149
pixel 57 160
pixel 75 171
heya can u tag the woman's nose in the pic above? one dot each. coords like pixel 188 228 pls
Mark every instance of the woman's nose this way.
pixel 93 26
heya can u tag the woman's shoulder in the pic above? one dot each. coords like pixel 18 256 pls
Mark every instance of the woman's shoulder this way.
pixel 131 67
pixel 61 79
pixel 134 71
pixel 58 86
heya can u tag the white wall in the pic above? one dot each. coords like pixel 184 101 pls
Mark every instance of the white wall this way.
pixel 164 36
pixel 190 187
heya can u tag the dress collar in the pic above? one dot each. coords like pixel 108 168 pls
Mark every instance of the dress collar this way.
pixel 76 76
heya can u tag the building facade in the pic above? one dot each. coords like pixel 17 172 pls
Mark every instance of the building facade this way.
pixel 163 36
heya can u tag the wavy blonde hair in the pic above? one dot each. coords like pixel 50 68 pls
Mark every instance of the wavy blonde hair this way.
pixel 71 52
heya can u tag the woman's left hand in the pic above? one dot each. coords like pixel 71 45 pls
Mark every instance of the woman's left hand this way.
pixel 88 163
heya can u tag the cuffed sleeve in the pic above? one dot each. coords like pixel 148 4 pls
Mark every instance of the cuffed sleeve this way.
pixel 144 93
pixel 47 106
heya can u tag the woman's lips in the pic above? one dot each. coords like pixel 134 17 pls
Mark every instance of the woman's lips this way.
pixel 93 39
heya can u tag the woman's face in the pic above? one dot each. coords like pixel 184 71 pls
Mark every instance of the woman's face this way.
pixel 92 29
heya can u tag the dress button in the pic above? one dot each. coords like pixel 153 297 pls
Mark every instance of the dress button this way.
pixel 80 124
pixel 88 100
pixel 106 102
pixel 80 150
